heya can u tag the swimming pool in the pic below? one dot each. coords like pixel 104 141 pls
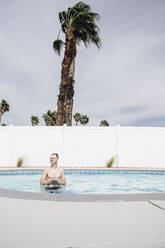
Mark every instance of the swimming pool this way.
pixel 89 181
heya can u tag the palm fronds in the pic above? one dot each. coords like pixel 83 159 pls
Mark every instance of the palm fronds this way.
pixel 83 21
pixel 57 46
pixel 50 118
pixel 34 120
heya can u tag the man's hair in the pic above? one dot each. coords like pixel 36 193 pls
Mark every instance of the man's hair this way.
pixel 55 154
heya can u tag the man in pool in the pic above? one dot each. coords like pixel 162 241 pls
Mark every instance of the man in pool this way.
pixel 53 174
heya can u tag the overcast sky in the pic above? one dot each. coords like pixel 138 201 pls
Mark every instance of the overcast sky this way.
pixel 123 82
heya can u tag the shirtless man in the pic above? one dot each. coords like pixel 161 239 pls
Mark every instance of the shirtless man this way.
pixel 53 173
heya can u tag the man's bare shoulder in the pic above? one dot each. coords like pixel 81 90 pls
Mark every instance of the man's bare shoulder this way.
pixel 46 170
pixel 61 170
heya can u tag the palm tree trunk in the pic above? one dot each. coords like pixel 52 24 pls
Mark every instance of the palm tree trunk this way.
pixel 70 94
pixel 69 55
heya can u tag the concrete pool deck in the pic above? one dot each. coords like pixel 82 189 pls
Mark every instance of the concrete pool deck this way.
pixel 35 223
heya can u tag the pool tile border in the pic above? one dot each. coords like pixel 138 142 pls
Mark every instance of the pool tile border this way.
pixel 34 171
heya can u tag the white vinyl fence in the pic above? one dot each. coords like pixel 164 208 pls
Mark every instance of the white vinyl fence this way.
pixel 83 146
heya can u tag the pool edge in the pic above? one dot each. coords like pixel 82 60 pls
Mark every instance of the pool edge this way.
pixel 80 197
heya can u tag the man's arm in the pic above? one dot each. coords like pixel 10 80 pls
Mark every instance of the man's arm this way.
pixel 43 179
pixel 62 179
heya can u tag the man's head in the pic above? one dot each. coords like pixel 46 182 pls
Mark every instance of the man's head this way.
pixel 54 158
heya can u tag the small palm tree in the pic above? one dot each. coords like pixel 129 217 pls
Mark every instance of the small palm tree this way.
pixel 104 123
pixel 34 120
pixel 4 107
pixel 77 117
pixel 50 118
pixel 84 119
pixel 47 119
pixel 78 25
pixel 111 162
pixel 20 162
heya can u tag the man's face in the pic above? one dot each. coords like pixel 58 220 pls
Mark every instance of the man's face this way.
pixel 53 159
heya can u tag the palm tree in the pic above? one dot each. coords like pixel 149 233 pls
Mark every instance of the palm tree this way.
pixel 84 119
pixel 78 24
pixel 50 118
pixel 104 123
pixel 34 120
pixel 4 107
pixel 77 117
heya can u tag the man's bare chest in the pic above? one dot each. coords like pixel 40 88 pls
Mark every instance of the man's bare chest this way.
pixel 54 172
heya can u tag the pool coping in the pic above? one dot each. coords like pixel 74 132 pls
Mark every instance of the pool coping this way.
pixel 85 168
pixel 44 196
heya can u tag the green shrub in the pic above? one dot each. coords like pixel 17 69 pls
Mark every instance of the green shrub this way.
pixel 111 162
pixel 20 162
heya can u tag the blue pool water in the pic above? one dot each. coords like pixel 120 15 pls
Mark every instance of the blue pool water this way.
pixel 89 182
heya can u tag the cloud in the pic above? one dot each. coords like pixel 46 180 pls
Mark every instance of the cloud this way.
pixel 133 109
pixel 158 121
pixel 123 82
